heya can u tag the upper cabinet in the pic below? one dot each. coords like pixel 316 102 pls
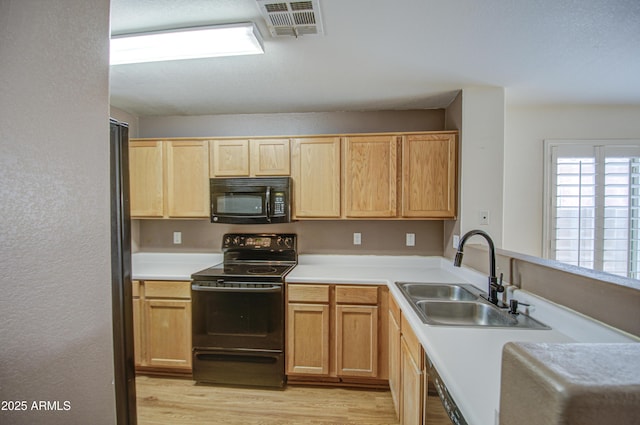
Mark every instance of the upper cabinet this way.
pixel 429 178
pixel 270 157
pixel 376 176
pixel 315 163
pixel 146 159
pixel 188 179
pixel 229 158
pixel 169 179
pixel 244 157
pixel 370 176
pixel 352 176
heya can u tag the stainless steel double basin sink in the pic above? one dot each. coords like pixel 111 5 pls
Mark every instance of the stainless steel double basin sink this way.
pixel 458 304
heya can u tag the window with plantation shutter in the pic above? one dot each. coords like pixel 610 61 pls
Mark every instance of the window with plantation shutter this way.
pixel 592 204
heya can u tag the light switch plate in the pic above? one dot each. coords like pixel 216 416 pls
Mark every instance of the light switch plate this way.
pixel 483 217
pixel 357 238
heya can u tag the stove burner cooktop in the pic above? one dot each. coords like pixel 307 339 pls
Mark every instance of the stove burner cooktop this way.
pixel 253 257
pixel 243 271
pixel 261 270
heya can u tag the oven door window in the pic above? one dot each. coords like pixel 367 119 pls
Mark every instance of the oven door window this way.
pixel 235 204
pixel 238 320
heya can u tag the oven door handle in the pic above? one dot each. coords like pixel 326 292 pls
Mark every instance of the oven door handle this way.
pixel 268 202
pixel 274 288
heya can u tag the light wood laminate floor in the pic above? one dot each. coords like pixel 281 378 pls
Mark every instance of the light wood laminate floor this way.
pixel 181 401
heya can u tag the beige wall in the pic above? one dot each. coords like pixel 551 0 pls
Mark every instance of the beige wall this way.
pixel 453 121
pixel 291 124
pixel 482 156
pixel 526 129
pixel 55 309
pixel 314 237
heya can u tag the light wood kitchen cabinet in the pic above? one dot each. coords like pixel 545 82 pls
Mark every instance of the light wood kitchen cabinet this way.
pixel 370 176
pixel 315 169
pixel 270 157
pixel 249 157
pixel 229 158
pixel 412 388
pixel 169 179
pixel 334 333
pixel 308 330
pixel 412 376
pixel 408 379
pixel 162 326
pixel 350 176
pixel 429 176
pixel 357 331
pixel 146 159
pixel 395 369
pixel 188 179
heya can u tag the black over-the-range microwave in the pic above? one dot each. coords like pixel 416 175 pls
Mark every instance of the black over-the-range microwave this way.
pixel 250 200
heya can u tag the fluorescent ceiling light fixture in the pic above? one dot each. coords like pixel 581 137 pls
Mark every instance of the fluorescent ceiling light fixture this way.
pixel 187 43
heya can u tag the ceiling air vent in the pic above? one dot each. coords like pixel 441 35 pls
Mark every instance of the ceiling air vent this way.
pixel 291 18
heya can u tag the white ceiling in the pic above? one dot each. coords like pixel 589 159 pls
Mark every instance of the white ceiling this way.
pixel 390 54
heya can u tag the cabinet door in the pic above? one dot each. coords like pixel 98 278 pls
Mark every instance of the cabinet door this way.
pixel 357 340
pixel 146 178
pixel 394 362
pixel 411 412
pixel 270 157
pixel 316 174
pixel 308 339
pixel 188 179
pixel 371 180
pixel 229 158
pixel 168 333
pixel 429 163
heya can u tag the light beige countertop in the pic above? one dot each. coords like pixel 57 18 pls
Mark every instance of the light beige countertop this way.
pixel 170 266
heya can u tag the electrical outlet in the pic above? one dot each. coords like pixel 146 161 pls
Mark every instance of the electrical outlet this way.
pixel 177 238
pixel 456 241
pixel 357 238
pixel 411 239
pixel 483 217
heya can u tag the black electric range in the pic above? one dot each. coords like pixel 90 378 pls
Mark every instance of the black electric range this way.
pixel 238 311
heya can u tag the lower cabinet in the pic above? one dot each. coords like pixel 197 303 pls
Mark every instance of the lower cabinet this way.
pixel 412 359
pixel 337 333
pixel 162 326
pixel 414 396
pixel 395 355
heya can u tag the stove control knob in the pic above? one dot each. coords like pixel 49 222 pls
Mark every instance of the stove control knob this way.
pixel 227 241
pixel 288 242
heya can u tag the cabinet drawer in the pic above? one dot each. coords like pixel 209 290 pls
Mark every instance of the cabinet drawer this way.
pixel 167 289
pixel 308 293
pixel 357 295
